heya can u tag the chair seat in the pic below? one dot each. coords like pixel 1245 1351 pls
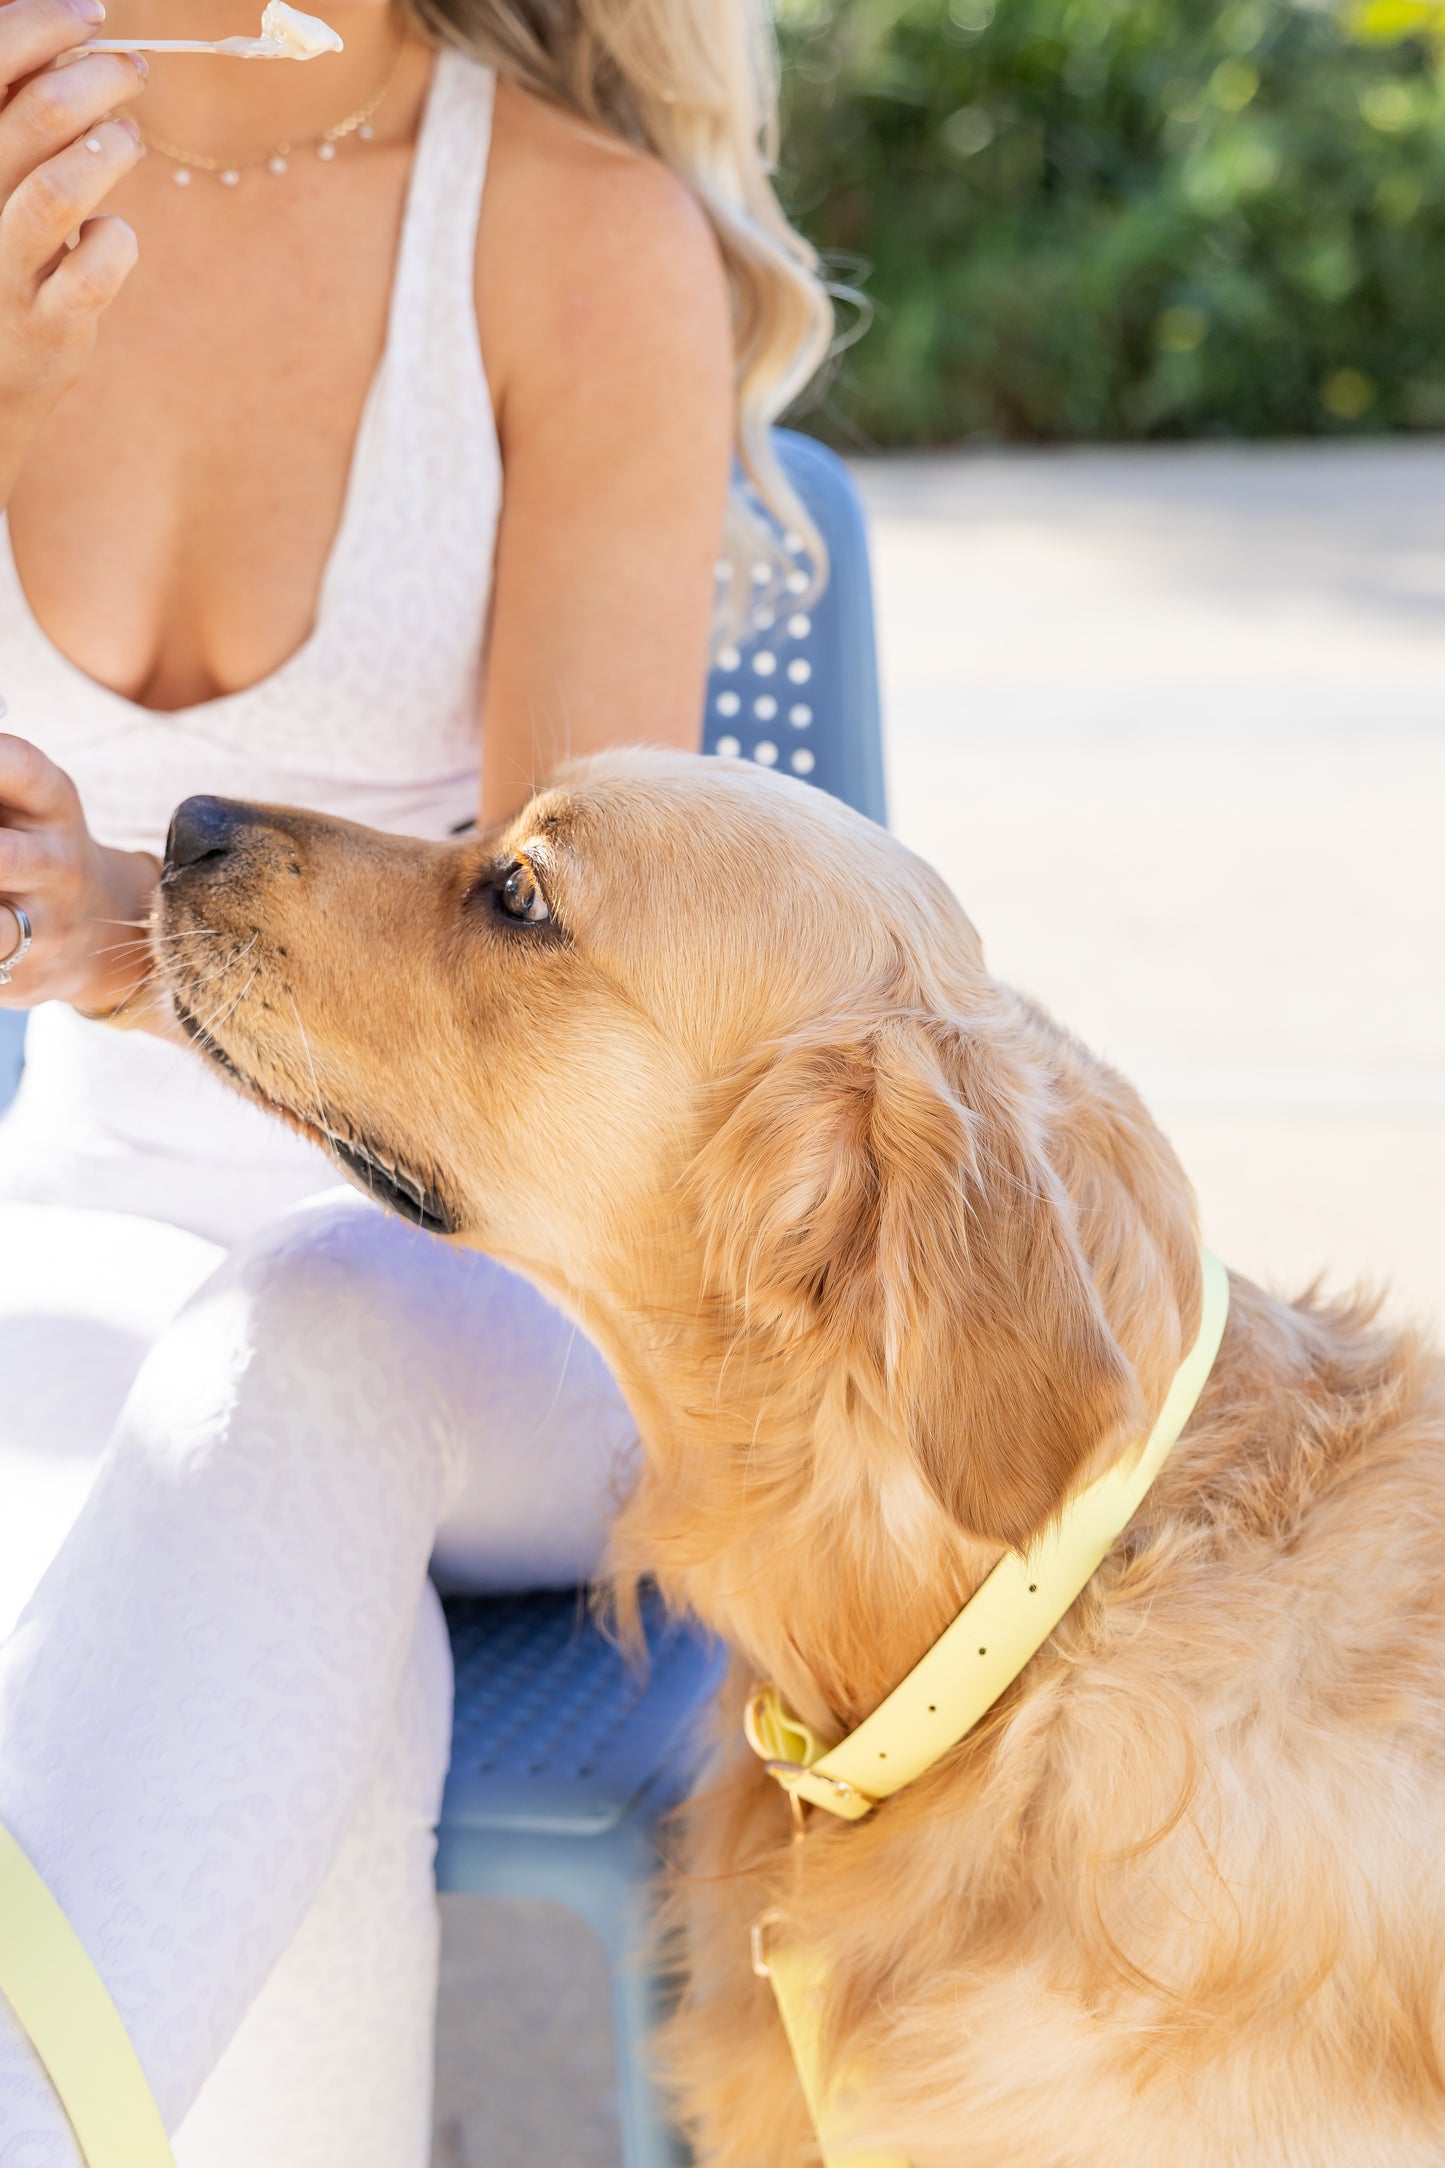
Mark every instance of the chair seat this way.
pixel 556 1729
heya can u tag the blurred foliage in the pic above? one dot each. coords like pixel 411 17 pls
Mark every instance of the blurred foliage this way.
pixel 1124 218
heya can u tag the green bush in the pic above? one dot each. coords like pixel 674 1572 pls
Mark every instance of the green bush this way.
pixel 1124 218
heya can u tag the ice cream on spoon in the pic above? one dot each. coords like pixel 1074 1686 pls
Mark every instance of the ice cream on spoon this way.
pixel 286 34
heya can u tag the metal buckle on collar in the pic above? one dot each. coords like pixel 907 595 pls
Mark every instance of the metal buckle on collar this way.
pixel 788 1773
pixel 768 1725
pixel 758 1943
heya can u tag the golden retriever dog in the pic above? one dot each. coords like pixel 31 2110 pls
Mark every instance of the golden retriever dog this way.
pixel 888 1266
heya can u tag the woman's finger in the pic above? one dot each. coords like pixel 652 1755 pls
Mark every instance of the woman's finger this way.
pixel 31 785
pixel 55 113
pixel 90 275
pixel 58 198
pixel 35 32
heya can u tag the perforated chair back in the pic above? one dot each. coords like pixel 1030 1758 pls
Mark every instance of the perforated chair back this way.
pixel 800 692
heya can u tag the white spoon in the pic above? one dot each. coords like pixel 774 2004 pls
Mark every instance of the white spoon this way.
pixel 286 34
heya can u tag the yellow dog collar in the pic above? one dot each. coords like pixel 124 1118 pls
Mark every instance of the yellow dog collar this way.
pixel 941 1700
pixel 1005 1623
pixel 62 2003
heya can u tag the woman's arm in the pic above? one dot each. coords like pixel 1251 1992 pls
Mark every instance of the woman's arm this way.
pixel 604 319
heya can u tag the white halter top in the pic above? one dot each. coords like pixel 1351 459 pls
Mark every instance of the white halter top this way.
pixel 376 717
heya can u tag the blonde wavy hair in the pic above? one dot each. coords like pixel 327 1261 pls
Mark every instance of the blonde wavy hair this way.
pixel 695 82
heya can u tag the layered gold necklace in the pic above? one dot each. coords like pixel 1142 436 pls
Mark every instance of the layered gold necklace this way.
pixel 228 171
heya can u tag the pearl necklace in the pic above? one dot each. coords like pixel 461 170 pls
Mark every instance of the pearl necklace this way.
pixel 277 160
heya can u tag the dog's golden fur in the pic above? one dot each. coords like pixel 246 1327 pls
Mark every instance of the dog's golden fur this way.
pixel 887 1265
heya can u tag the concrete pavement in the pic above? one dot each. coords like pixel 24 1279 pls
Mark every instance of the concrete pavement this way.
pixel 1173 725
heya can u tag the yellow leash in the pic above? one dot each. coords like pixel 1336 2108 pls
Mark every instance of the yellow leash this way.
pixel 62 2003
pixel 1003 1624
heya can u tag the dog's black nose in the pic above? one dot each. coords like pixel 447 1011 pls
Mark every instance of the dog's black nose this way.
pixel 203 828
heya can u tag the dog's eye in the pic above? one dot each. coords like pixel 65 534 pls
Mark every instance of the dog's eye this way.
pixel 521 896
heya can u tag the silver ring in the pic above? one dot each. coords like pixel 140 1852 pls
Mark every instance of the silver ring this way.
pixel 22 948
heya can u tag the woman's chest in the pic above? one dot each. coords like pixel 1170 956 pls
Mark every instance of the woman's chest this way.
pixel 175 517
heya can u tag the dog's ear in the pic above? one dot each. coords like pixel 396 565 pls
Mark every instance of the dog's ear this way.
pixel 884 1197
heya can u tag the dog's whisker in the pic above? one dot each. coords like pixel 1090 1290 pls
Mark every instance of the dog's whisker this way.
pixel 144 943
pixel 560 1379
pixel 204 979
pixel 231 1007
pixel 199 985
pixel 323 1119
pixel 227 1009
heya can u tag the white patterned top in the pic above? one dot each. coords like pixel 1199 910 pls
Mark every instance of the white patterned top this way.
pixel 376 716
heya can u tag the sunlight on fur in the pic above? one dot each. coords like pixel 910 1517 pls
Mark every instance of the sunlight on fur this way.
pixel 888 1266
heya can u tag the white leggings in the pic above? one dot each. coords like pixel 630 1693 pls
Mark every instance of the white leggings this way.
pixel 225 1710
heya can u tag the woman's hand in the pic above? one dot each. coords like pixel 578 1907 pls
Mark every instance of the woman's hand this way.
pixel 59 159
pixel 88 906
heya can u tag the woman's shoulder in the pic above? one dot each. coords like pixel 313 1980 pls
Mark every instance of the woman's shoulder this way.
pixel 585 238
pixel 583 181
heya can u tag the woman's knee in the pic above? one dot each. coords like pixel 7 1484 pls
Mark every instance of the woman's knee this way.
pixel 340 1268
pixel 386 1361
pixel 314 1342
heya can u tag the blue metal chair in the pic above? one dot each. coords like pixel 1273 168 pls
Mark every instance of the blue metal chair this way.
pixel 567 1810
pixel 563 1755
pixel 801 694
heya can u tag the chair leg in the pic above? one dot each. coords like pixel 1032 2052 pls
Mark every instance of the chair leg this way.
pixel 607 1880
pixel 648 2138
